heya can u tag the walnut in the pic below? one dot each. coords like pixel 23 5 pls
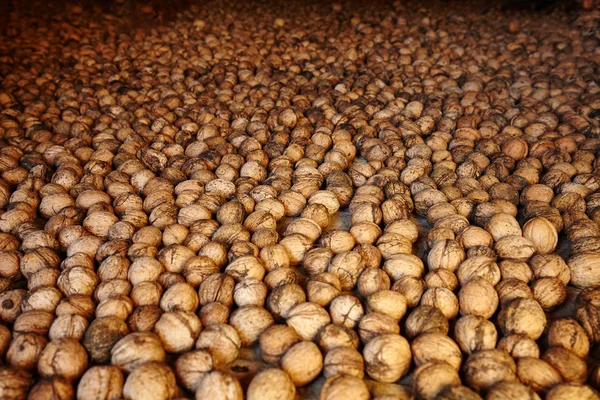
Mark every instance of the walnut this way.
pixel 436 347
pixel 569 334
pixel 585 270
pixel 443 299
pixel 478 297
pixel 571 367
pixel 343 360
pixel 100 382
pixel 542 234
pixel 192 366
pixel 341 387
pixel 346 310
pixel 478 266
pixel 522 316
pixel 64 358
pixel 333 336
pixel 14 383
pixel 307 319
pixel 102 335
pixel 283 298
pixel 136 349
pixel 222 341
pixel 402 265
pixel 474 333
pixel 432 377
pixel 445 254
pixel 250 291
pixel 387 357
pixel 178 330
pixel 550 265
pixel 387 302
pixel 150 381
pixel 514 247
pixel 511 391
pixel 537 374
pixel 275 341
pixel 411 288
pixel 323 288
pixel 571 391
pixel 271 384
pixel 250 321
pixel 549 292
pixel 519 345
pixel 219 385
pixel 501 225
pixel 303 362
pixel 25 350
pixel 374 324
pixel 484 369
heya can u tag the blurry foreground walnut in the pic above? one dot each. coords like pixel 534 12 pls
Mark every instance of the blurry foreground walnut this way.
pixel 511 391
pixel 150 381
pixel 571 391
pixel 55 388
pixel 432 377
pixel 100 383
pixel 192 366
pixel 271 384
pixel 14 383
pixel 341 387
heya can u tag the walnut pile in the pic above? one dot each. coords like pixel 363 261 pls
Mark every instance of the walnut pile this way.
pixel 281 200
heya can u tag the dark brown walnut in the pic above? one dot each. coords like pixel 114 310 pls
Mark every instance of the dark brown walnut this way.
pixel 102 335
